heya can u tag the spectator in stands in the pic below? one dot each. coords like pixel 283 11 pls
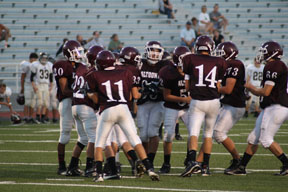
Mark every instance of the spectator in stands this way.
pixel 218 19
pixel 195 26
pixel 115 45
pixel 5 93
pixel 217 37
pixel 61 47
pixel 165 7
pixel 188 36
pixel 80 39
pixel 95 40
pixel 4 34
pixel 204 21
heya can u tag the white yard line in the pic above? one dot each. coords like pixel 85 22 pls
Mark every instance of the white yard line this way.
pixel 46 151
pixel 109 186
pixel 57 179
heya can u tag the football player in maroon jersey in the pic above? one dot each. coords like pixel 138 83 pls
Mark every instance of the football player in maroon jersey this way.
pixel 64 76
pixel 233 102
pixel 112 88
pixel 83 110
pixel 176 102
pixel 202 73
pixel 275 104
pixel 150 113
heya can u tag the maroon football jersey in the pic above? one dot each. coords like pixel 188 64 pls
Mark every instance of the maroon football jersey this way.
pixel 136 73
pixel 276 72
pixel 204 71
pixel 79 86
pixel 235 69
pixel 61 69
pixel 150 75
pixel 174 81
pixel 113 86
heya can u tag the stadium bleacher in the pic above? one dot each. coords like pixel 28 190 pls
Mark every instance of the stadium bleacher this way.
pixel 39 25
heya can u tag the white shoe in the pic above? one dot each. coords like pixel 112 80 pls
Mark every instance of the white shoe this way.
pixel 153 176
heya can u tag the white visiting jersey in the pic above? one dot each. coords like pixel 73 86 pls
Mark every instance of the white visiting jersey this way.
pixel 255 74
pixel 54 81
pixel 26 68
pixel 42 72
pixel 7 93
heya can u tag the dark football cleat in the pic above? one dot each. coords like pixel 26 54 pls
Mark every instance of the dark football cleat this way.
pixel 91 172
pixel 191 168
pixel 140 168
pixel 239 171
pixel 283 171
pixel 106 169
pixel 74 171
pixel 205 171
pixel 153 176
pixel 34 121
pixel 54 120
pixel 178 138
pixel 118 165
pixel 98 178
pixel 234 163
pixel 164 169
pixel 62 169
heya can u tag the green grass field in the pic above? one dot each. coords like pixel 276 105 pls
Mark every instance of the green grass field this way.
pixel 28 162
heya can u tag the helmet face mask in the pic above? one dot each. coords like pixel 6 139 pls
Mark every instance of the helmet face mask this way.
pixel 227 50
pixel 154 51
pixel 130 55
pixel 43 58
pixel 74 52
pixel 204 43
pixel 77 55
pixel 269 50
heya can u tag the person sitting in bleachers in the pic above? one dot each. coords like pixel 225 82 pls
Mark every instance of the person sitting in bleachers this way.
pixel 188 36
pixel 218 19
pixel 195 26
pixel 115 45
pixel 165 7
pixel 217 37
pixel 204 21
pixel 4 34
pixel 95 40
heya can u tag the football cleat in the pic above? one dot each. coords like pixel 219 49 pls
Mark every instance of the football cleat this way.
pixel 191 168
pixel 164 169
pixel 283 171
pixel 178 137
pixel 98 178
pixel 233 165
pixel 153 176
pixel 90 172
pixel 34 121
pixel 140 168
pixel 239 171
pixel 62 169
pixel 74 171
pixel 205 171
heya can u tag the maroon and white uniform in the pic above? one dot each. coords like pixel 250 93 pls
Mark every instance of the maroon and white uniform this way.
pixel 64 69
pixel 150 112
pixel 203 73
pixel 175 82
pixel 233 105
pixel 83 108
pixel 113 87
pixel 275 105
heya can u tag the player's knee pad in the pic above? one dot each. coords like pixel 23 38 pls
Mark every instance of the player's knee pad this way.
pixel 253 138
pixel 64 137
pixel 169 135
pixel 81 145
pixel 208 133
pixel 83 140
pixel 135 141
pixel 266 142
pixel 28 102
pixel 54 104
pixel 153 131
pixel 219 136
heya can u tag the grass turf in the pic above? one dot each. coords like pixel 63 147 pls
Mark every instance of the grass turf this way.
pixel 18 158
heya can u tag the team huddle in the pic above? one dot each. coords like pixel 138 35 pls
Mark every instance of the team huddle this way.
pixel 99 91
